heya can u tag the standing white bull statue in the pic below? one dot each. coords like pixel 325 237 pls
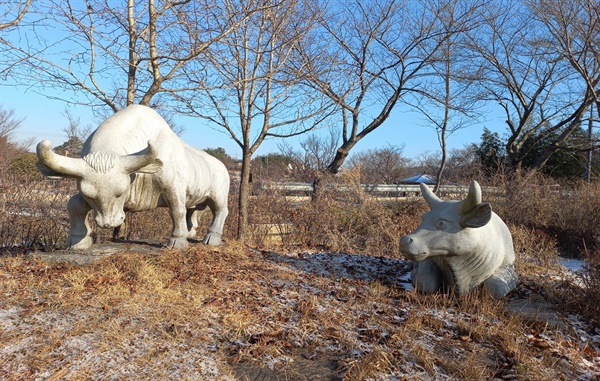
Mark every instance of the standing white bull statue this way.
pixel 460 245
pixel 135 162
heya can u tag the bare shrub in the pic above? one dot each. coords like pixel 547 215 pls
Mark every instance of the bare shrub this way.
pixel 570 213
pixel 534 248
pixel 578 213
pixel 342 217
pixel 33 213
pixel 526 199
pixel 578 294
pixel 153 224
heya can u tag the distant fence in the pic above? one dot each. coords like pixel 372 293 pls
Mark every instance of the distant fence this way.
pixel 378 190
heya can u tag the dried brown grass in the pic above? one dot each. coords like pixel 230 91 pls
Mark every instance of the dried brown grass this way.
pixel 233 305
pixel 148 314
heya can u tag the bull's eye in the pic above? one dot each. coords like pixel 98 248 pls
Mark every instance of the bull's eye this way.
pixel 441 224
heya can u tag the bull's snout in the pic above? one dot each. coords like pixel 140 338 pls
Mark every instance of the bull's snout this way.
pixel 104 222
pixel 409 249
pixel 405 240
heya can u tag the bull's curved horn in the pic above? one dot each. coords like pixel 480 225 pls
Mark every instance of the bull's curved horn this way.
pixel 429 196
pixel 145 160
pixel 473 197
pixel 58 164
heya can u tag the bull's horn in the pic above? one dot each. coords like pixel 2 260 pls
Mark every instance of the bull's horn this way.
pixel 429 196
pixel 58 164
pixel 143 161
pixel 473 197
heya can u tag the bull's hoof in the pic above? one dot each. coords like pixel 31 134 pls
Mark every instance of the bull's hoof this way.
pixel 79 243
pixel 212 239
pixel 177 243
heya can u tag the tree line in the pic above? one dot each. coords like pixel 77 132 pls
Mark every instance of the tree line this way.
pixel 272 69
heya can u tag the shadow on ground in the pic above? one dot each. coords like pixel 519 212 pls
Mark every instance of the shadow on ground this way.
pixel 300 369
pixel 389 271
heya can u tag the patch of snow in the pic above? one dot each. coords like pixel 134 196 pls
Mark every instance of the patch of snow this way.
pixel 574 265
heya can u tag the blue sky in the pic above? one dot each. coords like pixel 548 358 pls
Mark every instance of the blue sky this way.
pixel 45 119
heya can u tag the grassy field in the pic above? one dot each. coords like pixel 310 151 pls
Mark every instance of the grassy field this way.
pixel 327 300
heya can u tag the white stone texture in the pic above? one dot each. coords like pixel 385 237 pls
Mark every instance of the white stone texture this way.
pixel 460 245
pixel 134 162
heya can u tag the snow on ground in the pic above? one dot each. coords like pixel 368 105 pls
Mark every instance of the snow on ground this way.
pixel 266 312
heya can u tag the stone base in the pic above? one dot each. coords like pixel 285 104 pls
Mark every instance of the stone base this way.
pixel 96 252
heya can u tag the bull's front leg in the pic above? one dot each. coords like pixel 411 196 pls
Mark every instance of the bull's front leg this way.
pixel 426 277
pixel 81 230
pixel 180 233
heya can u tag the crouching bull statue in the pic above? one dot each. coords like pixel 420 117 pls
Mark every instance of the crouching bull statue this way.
pixel 134 162
pixel 460 245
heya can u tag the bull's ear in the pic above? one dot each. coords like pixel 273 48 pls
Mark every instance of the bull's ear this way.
pixel 477 217
pixel 144 161
pixel 153 167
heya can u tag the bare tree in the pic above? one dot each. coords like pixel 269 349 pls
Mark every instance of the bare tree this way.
pixel 427 162
pixel 526 76
pixel 376 55
pixel 250 89
pixel 108 55
pixel 8 123
pixel 386 165
pixel 450 102
pixel 12 12
pixel 315 153
pixel 574 31
pixel 9 148
pixel 463 165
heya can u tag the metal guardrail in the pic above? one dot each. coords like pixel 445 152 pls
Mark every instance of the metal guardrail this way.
pixel 390 190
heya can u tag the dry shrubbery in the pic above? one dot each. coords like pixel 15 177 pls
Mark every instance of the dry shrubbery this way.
pixel 245 303
pixel 570 214
pixel 347 220
pixel 33 215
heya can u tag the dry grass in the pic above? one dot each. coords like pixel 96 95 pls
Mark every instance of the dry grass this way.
pixel 200 313
pixel 329 291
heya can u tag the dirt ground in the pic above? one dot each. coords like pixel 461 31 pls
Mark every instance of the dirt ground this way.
pixel 136 311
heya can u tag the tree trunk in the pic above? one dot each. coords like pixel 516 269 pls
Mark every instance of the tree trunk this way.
pixel 131 61
pixel 445 122
pixel 590 152
pixel 440 172
pixel 340 156
pixel 244 195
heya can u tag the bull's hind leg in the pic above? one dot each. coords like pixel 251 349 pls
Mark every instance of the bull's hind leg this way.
pixel 192 217
pixel 80 233
pixel 215 231
pixel 178 213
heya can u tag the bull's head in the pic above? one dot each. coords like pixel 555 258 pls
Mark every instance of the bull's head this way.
pixel 448 228
pixel 103 179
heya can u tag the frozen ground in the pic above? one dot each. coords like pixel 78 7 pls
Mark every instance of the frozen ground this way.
pixel 239 313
